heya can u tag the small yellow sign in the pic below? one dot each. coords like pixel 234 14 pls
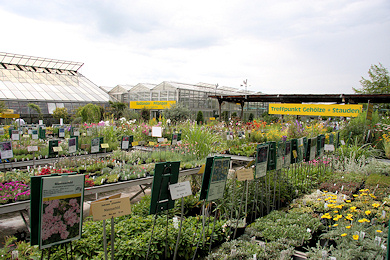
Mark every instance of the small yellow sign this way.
pixel 212 118
pixel 151 143
pixel 104 145
pixel 110 208
pixel 134 143
pixel 57 149
pixel 201 170
pixel 151 104
pixel 245 174
pixel 295 154
pixel 315 110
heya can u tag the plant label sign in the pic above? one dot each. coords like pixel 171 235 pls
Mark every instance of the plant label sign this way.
pixel 245 174
pixel 156 131
pixel 6 150
pixel 218 177
pixel 313 148
pixel 165 174
pixel 180 190
pixel 105 145
pixel 1 131
pixel 76 132
pixel 15 135
pixel 329 147
pixel 110 208
pixel 61 209
pixel 34 134
pixel 280 155
pixel 261 160
pixel 32 148
pixel 174 139
pixel 61 132
pixel 287 154
pixel 72 147
pixel 125 144
pixel 95 145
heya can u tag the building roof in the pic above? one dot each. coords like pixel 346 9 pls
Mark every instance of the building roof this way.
pixel 40 79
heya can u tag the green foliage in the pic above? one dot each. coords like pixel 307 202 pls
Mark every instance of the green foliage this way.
pixel 378 82
pixel 357 128
pixel 36 108
pixel 3 107
pixel 251 117
pixel 61 112
pixel 145 114
pixel 25 251
pixel 225 116
pixel 291 226
pixel 199 118
pixel 90 113
pixel 117 108
pixel 177 113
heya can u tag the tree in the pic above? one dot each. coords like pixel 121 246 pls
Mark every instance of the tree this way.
pixel 145 114
pixel 177 113
pixel 35 107
pixel 199 117
pixel 379 82
pixel 117 108
pixel 90 113
pixel 61 112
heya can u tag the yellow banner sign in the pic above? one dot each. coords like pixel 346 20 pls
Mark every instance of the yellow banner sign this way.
pixel 151 104
pixel 6 115
pixel 315 110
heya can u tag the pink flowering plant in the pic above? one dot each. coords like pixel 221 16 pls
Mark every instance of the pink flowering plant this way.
pixel 60 220
pixel 13 191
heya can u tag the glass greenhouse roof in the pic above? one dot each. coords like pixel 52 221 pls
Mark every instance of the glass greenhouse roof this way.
pixel 56 81
pixel 17 59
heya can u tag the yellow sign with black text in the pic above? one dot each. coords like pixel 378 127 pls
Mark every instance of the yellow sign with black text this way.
pixel 151 104
pixel 315 110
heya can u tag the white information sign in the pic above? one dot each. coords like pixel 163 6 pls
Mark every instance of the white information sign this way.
pixel 180 190
pixel 6 150
pixel 15 135
pixel 61 209
pixel 156 131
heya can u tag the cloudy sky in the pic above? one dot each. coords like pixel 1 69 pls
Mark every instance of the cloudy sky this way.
pixel 279 46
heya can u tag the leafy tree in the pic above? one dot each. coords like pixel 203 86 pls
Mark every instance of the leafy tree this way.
pixel 3 107
pixel 225 116
pixel 145 114
pixel 35 107
pixel 117 108
pixel 251 117
pixel 90 113
pixel 378 82
pixel 176 113
pixel 61 112
pixel 199 117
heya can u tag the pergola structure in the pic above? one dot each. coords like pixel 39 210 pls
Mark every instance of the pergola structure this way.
pixel 303 98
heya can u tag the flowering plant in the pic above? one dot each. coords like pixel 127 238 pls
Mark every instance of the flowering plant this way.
pixel 13 191
pixel 60 220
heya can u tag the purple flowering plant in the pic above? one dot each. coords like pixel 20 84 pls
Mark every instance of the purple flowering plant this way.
pixel 13 191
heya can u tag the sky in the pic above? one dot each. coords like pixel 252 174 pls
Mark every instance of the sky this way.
pixel 278 46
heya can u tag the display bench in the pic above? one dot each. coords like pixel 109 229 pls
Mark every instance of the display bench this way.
pixel 21 164
pixel 146 182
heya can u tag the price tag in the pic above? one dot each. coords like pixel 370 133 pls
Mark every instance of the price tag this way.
pixel 295 154
pixel 32 148
pixel 180 190
pixel 26 136
pixel 151 143
pixel 244 174
pixel 104 145
pixel 160 140
pixel 134 143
